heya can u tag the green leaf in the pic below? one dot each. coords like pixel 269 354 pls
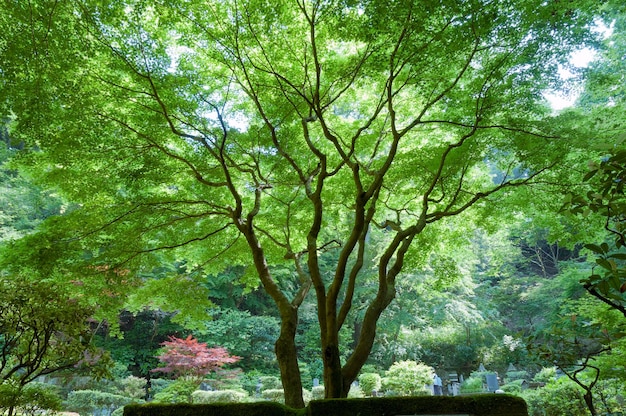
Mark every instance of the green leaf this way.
pixel 590 175
pixel 595 248
pixel 605 264
pixel 615 283
pixel 604 287
pixel 605 247
pixel 593 278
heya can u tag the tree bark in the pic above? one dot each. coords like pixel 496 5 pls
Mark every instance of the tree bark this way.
pixel 355 362
pixel 333 379
pixel 285 346
pixel 287 357
pixel 589 402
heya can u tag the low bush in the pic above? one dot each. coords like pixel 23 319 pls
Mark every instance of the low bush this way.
pixel 131 386
pixel 514 387
pixel 89 401
pixel 270 383
pixel 274 395
pixel 408 378
pixel 306 396
pixel 266 408
pixel 355 393
pixel 157 385
pixel 472 385
pixel 250 382
pixel 558 397
pixel 278 395
pixel 476 405
pixel 370 382
pixel 545 375
pixel 318 393
pixel 177 392
pixel 218 396
pixel 516 375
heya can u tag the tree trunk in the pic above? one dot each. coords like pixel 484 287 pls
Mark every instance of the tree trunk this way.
pixel 386 294
pixel 287 357
pixel 364 346
pixel 589 402
pixel 337 378
pixel 333 378
pixel 285 347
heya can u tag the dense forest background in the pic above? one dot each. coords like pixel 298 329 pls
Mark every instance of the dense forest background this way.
pixel 343 218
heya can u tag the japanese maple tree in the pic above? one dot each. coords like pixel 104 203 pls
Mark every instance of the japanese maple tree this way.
pixel 188 357
pixel 267 135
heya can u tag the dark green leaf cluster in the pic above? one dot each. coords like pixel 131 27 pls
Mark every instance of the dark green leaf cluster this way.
pixel 607 200
pixel 29 400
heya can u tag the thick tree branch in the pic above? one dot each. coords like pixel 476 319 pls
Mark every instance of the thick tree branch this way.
pixel 612 303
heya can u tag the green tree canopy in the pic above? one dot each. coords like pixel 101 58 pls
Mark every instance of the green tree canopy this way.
pixel 262 133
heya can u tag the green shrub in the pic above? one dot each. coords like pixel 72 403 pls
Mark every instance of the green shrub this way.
pixel 159 384
pixel 545 375
pixel 516 375
pixel 118 412
pixel 513 387
pixel 278 395
pixel 131 386
pixel 472 385
pixel 369 368
pixel 265 408
pixel 119 370
pixel 30 399
pixel 177 392
pixel 274 395
pixel 370 382
pixel 408 378
pixel 270 383
pixel 318 393
pixel 249 381
pixel 477 405
pixel 560 397
pixel 88 401
pixel 219 396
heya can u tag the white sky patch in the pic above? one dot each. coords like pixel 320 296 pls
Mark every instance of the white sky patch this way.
pixel 561 99
pixel 580 59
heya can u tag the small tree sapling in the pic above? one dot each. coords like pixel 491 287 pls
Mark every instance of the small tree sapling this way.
pixel 190 358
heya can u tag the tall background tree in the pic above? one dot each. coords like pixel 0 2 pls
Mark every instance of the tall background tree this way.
pixel 282 136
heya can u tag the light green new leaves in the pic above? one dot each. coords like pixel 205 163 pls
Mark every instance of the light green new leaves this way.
pixel 180 293
pixel 240 133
